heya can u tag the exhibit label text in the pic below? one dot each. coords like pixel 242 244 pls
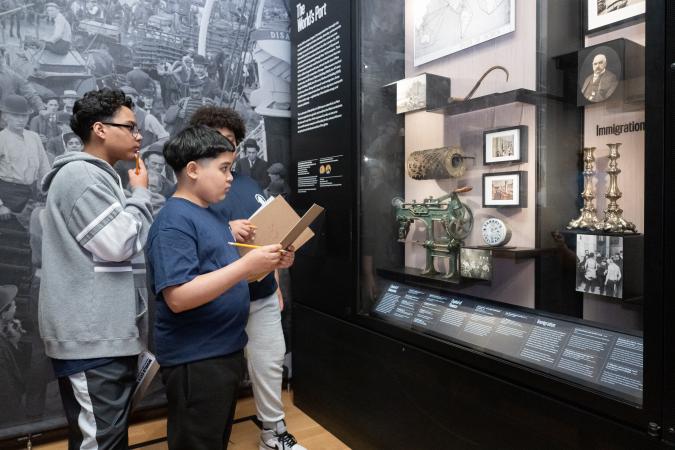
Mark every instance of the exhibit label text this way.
pixel 617 129
pixel 306 18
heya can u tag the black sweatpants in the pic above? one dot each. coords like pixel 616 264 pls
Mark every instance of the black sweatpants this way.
pixel 202 396
pixel 96 402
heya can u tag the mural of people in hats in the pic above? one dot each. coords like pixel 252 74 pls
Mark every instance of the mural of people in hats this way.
pixel 151 128
pixel 140 80
pixel 158 181
pixel 11 380
pixel 68 99
pixel 210 87
pixel 65 142
pixel 252 165
pixel 101 42
pixel 179 115
pixel 59 41
pixel 183 71
pixel 46 125
pixel 13 83
pixel 23 160
pixel 278 184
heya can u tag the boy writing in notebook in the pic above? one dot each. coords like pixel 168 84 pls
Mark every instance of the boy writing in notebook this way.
pixel 266 347
pixel 202 293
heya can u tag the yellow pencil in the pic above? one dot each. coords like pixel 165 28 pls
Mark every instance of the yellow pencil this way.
pixel 239 244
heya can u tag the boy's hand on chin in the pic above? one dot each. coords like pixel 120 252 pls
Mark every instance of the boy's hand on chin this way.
pixel 140 180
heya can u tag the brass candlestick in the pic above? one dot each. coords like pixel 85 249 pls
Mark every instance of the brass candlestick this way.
pixel 613 220
pixel 588 218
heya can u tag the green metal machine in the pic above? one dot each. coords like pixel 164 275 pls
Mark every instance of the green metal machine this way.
pixel 446 213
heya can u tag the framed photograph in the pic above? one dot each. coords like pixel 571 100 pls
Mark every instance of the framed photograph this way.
pixel 475 263
pixel 503 189
pixel 504 145
pixel 603 14
pixel 601 70
pixel 612 70
pixel 442 28
pixel 600 265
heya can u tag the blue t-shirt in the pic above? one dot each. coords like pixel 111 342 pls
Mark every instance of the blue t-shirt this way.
pixel 185 241
pixel 243 199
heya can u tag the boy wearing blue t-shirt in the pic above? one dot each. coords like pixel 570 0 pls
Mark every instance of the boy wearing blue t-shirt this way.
pixel 203 300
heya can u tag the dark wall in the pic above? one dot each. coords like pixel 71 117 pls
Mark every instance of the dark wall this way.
pixel 374 392
pixel 375 387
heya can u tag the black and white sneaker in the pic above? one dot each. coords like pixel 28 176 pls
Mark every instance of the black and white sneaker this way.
pixel 279 439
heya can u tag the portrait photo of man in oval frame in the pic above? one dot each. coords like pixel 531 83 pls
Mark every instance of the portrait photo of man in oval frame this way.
pixel 600 74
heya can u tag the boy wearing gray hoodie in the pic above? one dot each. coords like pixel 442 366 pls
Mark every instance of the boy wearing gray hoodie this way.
pixel 92 311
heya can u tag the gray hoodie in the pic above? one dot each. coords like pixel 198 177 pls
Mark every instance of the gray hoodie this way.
pixel 92 295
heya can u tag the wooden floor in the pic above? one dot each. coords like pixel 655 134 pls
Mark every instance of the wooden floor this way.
pixel 245 435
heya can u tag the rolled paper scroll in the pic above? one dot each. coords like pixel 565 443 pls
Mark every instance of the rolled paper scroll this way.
pixel 436 163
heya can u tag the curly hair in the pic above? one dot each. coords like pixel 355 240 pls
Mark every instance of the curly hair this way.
pixel 96 106
pixel 218 117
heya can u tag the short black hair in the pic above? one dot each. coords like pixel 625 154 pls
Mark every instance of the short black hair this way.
pixel 96 106
pixel 219 117
pixel 192 144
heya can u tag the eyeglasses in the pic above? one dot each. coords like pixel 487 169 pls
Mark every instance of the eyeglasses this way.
pixel 133 129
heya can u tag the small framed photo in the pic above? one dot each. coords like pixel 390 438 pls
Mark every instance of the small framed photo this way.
pixel 475 263
pixel 604 14
pixel 504 189
pixel 504 145
pixel 600 265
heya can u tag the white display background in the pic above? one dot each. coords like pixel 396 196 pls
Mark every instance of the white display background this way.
pixel 513 282
pixel 631 179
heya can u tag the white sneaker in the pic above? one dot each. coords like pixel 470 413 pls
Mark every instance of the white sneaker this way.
pixel 279 439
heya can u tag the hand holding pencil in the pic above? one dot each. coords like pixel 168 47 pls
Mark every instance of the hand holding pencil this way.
pixel 262 259
pixel 287 255
pixel 138 177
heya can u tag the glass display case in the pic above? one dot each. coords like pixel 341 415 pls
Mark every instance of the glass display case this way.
pixel 498 242
pixel 502 181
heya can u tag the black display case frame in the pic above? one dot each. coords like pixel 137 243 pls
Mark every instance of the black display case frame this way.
pixel 331 325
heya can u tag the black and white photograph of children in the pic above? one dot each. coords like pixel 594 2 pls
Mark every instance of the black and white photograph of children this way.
pixel 600 265
pixel 51 53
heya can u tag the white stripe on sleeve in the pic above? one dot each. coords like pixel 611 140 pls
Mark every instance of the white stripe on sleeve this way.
pixel 117 240
pixel 97 220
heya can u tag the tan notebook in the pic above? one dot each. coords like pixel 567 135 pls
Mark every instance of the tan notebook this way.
pixel 277 223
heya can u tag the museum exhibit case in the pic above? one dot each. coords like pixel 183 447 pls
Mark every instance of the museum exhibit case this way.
pixel 491 270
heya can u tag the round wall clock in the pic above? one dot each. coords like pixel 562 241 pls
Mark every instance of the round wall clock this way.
pixel 495 232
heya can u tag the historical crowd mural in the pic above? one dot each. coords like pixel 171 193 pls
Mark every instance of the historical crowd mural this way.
pixel 171 57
